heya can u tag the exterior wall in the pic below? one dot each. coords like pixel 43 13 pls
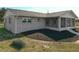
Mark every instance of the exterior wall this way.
pixel 7 25
pixel 10 26
pixel 34 25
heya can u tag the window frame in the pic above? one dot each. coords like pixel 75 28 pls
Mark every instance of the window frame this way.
pixel 27 20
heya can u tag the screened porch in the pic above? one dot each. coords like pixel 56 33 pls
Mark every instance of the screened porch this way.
pixel 59 23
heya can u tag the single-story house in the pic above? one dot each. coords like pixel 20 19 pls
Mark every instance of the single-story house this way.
pixel 18 21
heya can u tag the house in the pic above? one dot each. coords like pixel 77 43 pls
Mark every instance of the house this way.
pixel 18 21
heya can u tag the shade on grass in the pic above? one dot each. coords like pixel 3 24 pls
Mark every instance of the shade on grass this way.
pixel 56 35
pixel 4 34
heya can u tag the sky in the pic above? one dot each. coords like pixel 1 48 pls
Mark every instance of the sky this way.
pixel 42 5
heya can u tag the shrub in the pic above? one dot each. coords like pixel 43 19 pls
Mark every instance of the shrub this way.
pixel 18 44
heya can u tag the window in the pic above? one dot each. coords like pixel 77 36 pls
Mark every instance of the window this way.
pixel 9 20
pixel 27 20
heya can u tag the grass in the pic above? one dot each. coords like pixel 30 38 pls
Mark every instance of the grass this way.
pixel 32 45
pixel 4 34
pixel 48 47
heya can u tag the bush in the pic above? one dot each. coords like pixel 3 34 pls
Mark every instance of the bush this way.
pixel 18 44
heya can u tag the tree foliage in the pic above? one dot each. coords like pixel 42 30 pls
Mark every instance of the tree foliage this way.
pixel 2 12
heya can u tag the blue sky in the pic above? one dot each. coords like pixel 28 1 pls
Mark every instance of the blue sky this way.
pixel 42 5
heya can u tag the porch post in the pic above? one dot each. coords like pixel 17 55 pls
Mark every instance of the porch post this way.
pixel 66 22
pixel 59 23
pixel 71 23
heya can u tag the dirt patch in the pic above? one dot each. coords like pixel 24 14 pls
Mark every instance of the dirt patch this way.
pixel 40 36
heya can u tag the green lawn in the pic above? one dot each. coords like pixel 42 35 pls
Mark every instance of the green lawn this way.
pixel 6 38
pixel 4 34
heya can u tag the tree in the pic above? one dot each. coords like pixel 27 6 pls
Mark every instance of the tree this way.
pixel 2 12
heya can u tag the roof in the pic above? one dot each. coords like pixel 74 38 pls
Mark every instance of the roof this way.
pixel 57 14
pixel 26 13
pixel 37 14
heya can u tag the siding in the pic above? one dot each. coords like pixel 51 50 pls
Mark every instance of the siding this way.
pixel 22 27
pixel 11 26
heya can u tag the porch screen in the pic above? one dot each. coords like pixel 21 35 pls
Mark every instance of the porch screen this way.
pixel 63 22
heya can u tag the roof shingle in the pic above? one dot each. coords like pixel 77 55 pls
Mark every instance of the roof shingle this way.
pixel 37 14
